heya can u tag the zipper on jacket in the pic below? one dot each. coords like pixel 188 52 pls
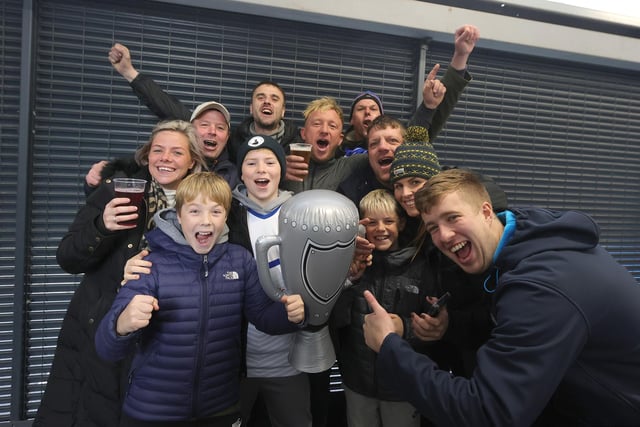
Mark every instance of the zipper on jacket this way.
pixel 202 331
pixel 396 300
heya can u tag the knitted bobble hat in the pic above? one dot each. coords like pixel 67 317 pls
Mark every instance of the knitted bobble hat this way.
pixel 416 157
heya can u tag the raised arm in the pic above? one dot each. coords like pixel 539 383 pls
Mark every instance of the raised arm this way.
pixel 120 59
pixel 455 80
pixel 466 38
pixel 163 105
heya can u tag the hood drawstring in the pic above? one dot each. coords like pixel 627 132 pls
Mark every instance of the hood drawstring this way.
pixel 495 282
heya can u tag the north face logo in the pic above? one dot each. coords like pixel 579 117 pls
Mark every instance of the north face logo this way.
pixel 231 275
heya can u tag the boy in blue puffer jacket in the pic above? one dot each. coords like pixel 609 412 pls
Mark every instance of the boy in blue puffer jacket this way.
pixel 184 319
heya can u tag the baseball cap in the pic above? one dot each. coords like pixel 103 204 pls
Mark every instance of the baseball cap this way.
pixel 211 105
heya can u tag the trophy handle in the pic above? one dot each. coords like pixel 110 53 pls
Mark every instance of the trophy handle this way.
pixel 263 243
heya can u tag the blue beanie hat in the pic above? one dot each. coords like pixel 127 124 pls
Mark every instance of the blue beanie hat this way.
pixel 367 94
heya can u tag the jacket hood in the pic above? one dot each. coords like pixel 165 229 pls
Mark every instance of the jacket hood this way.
pixel 395 258
pixel 350 138
pixel 167 221
pixel 539 230
pixel 240 194
pixel 127 166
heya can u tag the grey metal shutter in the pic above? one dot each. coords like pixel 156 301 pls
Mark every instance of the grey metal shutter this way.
pixel 10 278
pixel 553 134
pixel 86 112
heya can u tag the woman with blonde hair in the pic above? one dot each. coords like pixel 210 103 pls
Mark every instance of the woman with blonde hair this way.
pixel 83 390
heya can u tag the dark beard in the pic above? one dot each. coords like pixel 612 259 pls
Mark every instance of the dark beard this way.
pixel 272 128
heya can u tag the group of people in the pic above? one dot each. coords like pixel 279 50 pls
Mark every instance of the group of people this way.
pixel 170 326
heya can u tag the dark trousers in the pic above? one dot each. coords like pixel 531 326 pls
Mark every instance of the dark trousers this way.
pixel 327 409
pixel 232 420
pixel 286 401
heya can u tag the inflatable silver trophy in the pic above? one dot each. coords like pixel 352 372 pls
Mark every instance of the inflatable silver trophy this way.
pixel 316 236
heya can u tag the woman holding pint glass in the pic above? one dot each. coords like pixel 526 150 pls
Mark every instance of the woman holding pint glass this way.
pixel 83 390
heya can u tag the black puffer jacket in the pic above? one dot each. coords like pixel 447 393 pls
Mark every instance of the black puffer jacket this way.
pixel 83 390
pixel 398 282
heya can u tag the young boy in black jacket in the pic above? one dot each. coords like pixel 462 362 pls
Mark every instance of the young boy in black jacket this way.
pixel 396 278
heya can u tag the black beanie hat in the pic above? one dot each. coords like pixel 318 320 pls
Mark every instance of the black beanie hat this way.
pixel 258 142
pixel 414 159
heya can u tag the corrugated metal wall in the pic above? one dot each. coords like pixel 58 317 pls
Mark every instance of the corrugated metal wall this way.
pixel 10 39
pixel 560 135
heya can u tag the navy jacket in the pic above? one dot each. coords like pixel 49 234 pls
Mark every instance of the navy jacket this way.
pixel 187 361
pixel 566 336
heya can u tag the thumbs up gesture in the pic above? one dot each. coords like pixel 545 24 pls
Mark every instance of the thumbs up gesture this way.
pixel 378 324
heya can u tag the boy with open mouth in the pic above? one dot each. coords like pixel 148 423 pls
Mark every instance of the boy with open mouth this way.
pixel 183 321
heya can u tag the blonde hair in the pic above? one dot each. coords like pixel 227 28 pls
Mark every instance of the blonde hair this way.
pixel 207 184
pixel 451 181
pixel 325 103
pixel 380 201
pixel 180 126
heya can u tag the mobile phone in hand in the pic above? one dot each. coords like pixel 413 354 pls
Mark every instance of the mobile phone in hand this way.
pixel 435 308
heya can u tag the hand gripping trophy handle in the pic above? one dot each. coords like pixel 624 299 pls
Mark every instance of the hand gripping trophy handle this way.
pixel 316 238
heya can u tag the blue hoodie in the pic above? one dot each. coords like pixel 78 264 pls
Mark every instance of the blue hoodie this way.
pixel 566 346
